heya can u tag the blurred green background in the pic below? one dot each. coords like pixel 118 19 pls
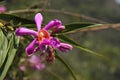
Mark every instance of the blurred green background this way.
pixel 85 65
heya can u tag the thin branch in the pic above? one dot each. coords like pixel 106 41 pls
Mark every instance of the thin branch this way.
pixel 57 11
pixel 106 26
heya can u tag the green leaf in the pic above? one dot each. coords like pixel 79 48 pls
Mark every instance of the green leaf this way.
pixel 66 65
pixel 16 20
pixel 14 41
pixel 4 47
pixel 77 26
pixel 77 45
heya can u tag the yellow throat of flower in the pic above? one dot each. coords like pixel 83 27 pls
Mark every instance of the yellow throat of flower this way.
pixel 43 34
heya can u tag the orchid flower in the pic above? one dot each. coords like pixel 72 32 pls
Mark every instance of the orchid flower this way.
pixel 36 62
pixel 43 39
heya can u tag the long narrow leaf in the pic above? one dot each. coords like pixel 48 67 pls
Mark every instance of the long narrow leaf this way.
pixel 77 45
pixel 4 47
pixel 16 20
pixel 66 65
pixel 77 26
pixel 10 57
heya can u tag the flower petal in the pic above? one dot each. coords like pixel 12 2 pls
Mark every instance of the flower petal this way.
pixel 58 29
pixel 36 62
pixel 64 47
pixel 34 59
pixel 38 20
pixel 31 48
pixel 54 41
pixel 22 68
pixel 40 66
pixel 23 31
pixel 52 24
pixel 2 9
pixel 43 45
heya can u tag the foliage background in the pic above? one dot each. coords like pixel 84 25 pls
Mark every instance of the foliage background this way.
pixel 86 66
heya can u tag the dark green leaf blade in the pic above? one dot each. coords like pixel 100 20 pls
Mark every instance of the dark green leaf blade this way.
pixel 77 26
pixel 66 65
pixel 16 20
pixel 77 45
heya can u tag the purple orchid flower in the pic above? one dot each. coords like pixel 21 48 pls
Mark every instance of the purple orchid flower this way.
pixel 43 40
pixel 2 9
pixel 36 62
